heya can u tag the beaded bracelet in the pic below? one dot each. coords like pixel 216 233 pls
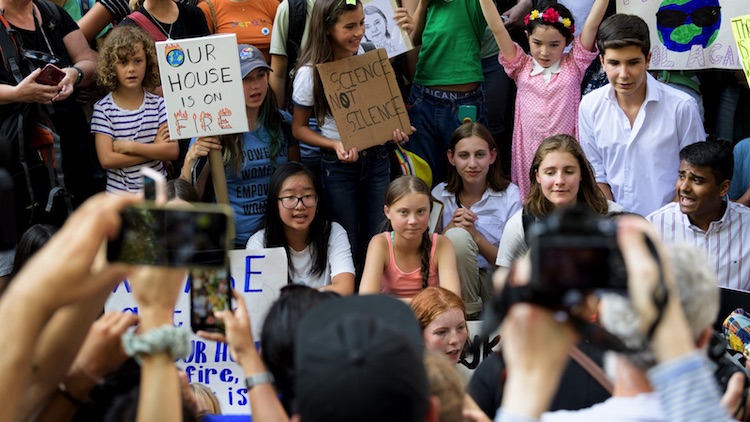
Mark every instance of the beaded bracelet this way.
pixel 166 338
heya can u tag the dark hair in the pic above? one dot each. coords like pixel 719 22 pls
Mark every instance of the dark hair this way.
pixel 495 179
pixel 278 334
pixel 399 188
pixel 31 241
pixel 540 21
pixel 182 189
pixel 620 31
pixel 318 49
pixel 320 228
pixel 718 156
pixel 588 192
pixel 371 10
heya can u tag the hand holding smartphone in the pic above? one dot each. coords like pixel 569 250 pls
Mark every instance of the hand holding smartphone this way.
pixel 50 75
pixel 210 291
pixel 174 236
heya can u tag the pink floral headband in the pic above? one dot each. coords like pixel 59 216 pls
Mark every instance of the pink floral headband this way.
pixel 550 16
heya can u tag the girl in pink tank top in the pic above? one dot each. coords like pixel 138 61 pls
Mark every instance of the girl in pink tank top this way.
pixel 407 258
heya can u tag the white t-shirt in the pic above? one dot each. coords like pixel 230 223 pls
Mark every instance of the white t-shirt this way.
pixel 302 96
pixel 493 211
pixel 513 243
pixel 339 258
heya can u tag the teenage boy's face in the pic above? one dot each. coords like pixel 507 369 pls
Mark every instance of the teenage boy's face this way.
pixel 626 70
pixel 700 194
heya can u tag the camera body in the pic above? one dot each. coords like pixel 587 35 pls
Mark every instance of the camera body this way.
pixel 575 250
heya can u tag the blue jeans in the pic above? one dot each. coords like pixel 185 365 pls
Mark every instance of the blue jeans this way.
pixel 435 120
pixel 499 94
pixel 355 194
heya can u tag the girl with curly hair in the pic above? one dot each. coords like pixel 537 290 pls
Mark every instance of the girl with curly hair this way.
pixel 130 123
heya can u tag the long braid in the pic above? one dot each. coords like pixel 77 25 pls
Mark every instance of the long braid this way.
pixel 425 249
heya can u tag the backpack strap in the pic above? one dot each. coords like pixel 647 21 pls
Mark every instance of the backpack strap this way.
pixel 297 20
pixel 145 23
pixel 9 48
pixel 592 368
pixel 214 21
pixel 527 219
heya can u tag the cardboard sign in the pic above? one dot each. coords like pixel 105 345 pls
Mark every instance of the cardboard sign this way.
pixel 741 31
pixel 381 28
pixel 690 34
pixel 258 275
pixel 365 99
pixel 202 86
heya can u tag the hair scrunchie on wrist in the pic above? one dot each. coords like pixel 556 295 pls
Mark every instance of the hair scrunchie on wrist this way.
pixel 174 341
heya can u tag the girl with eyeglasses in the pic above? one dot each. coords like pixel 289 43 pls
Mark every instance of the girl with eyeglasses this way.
pixel 318 250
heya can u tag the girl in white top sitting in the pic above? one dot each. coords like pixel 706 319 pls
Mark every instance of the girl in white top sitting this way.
pixel 317 250
pixel 560 176
pixel 477 202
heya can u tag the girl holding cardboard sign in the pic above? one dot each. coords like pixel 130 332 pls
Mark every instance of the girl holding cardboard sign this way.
pixel 354 181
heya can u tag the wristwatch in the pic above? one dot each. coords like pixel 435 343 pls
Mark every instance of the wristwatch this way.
pixel 257 379
pixel 80 75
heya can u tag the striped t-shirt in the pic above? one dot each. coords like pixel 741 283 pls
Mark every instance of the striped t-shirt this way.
pixel 726 242
pixel 138 125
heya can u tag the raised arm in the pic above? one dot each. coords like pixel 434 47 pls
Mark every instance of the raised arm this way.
pixel 264 400
pixel 588 33
pixel 63 272
pixel 495 22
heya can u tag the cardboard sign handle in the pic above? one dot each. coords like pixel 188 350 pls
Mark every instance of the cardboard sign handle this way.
pixel 219 179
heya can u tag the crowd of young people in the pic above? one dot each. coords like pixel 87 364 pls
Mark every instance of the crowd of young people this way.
pixel 350 226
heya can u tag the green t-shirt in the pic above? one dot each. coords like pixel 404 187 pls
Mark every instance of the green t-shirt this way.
pixel 73 7
pixel 451 44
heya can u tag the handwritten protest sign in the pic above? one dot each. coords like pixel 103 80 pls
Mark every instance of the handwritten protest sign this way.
pixel 689 34
pixel 365 99
pixel 741 31
pixel 202 86
pixel 258 275
pixel 381 28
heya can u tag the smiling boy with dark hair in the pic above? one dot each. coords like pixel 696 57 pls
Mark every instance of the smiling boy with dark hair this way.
pixel 704 217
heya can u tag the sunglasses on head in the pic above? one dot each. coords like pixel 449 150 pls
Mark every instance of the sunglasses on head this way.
pixel 702 17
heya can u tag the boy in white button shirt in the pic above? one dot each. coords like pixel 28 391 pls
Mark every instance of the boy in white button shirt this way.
pixel 633 129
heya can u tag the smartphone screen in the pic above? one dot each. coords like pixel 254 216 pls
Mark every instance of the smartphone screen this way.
pixel 176 237
pixel 210 291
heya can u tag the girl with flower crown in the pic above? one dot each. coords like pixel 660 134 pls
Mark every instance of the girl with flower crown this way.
pixel 548 80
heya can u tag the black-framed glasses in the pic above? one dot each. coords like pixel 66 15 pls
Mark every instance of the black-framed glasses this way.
pixel 291 202
pixel 701 17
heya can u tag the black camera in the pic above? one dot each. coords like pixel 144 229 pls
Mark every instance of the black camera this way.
pixel 575 251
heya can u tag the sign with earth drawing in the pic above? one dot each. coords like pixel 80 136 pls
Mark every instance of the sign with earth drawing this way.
pixel 690 34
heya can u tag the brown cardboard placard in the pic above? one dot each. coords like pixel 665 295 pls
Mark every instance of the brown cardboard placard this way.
pixel 365 99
